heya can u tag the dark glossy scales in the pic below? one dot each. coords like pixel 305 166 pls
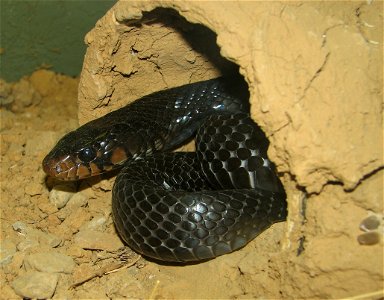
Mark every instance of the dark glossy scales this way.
pixel 196 206
pixel 233 152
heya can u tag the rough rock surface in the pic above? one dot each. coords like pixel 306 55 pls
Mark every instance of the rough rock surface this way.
pixel 315 75
pixel 35 285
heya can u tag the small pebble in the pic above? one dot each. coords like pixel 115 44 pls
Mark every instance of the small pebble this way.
pixel 49 239
pixel 97 224
pixel 35 285
pixel 77 200
pixel 95 240
pixel 7 250
pixel 27 243
pixel 369 238
pixel 370 223
pixel 50 262
pixel 34 237
pixel 61 194
pixel 20 227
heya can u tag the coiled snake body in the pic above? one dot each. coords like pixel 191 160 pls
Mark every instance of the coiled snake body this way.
pixel 180 206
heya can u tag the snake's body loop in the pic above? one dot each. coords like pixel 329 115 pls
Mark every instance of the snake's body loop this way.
pixel 180 206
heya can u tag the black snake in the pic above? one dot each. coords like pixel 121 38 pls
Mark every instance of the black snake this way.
pixel 180 206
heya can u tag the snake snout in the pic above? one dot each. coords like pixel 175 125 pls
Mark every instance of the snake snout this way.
pixel 63 168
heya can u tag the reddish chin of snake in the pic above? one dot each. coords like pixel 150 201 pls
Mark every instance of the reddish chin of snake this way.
pixel 68 169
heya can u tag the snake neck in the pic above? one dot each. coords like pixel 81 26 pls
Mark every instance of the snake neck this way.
pixel 173 116
pixel 156 122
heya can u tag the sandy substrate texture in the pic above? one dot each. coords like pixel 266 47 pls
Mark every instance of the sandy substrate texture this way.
pixel 314 71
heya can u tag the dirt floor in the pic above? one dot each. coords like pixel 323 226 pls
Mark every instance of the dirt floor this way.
pixel 319 99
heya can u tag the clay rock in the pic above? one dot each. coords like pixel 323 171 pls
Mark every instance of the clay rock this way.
pixel 35 285
pixel 49 262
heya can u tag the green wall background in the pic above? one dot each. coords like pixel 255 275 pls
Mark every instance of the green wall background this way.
pixel 45 33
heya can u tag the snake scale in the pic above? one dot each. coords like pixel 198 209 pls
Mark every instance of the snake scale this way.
pixel 180 207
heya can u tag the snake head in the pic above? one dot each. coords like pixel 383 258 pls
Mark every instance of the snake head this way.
pixel 92 149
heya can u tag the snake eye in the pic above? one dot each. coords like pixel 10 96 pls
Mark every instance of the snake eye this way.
pixel 87 154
